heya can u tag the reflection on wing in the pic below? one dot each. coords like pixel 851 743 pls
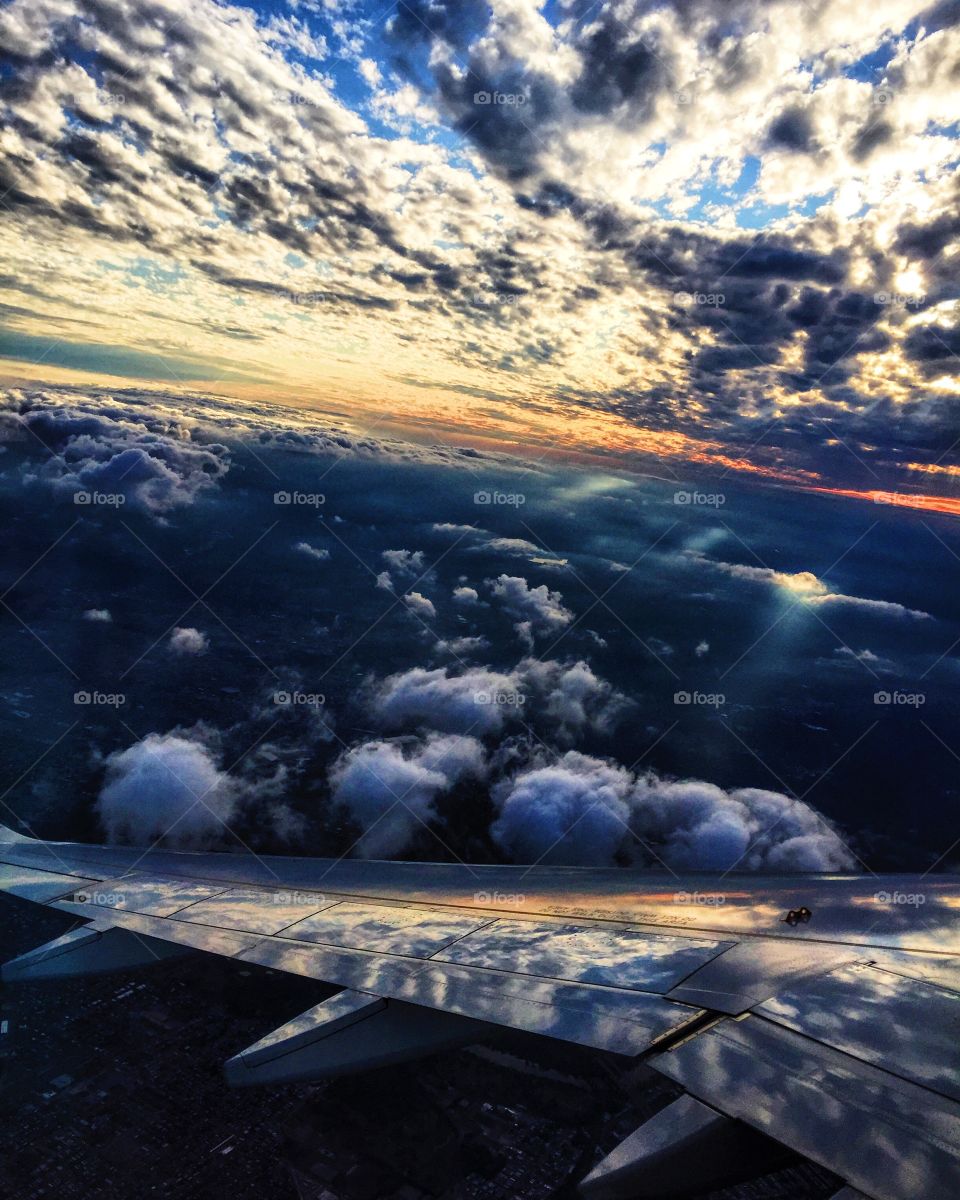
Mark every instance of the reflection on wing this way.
pixel 390 930
pixel 255 911
pixel 618 957
pixel 892 1139
pixel 836 1035
pixel 879 1017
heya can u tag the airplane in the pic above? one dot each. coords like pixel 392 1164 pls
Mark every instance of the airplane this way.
pixel 815 1013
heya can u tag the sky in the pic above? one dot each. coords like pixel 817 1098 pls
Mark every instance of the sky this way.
pixel 664 237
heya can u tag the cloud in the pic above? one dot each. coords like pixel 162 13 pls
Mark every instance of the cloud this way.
pixel 455 703
pixel 312 551
pixel 169 201
pixel 702 648
pixel 697 825
pixel 162 452
pixel 420 605
pixel 92 446
pixel 101 615
pixel 536 609
pixel 507 545
pixel 462 645
pixel 564 698
pixel 574 811
pixel 404 562
pixel 188 641
pixel 406 565
pixel 166 786
pixel 587 811
pixel 389 787
pixel 466 597
pixel 806 587
pixel 864 655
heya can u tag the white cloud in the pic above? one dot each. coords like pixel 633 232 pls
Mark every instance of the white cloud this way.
pixel 573 811
pixel 564 698
pixel 312 551
pixel 369 71
pixel 584 810
pixel 102 615
pixel 188 640
pixel 536 609
pixel 404 562
pixel 420 605
pixel 389 787
pixel 166 786
pixel 806 587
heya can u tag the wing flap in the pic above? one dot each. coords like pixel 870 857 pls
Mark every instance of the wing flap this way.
pixel 605 1018
pixel 752 971
pixel 886 1136
pixel 618 957
pixel 901 1024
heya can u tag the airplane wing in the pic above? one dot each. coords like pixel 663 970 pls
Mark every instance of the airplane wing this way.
pixel 822 1012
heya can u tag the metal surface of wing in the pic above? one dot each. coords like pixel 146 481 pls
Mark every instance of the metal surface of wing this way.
pixel 823 1012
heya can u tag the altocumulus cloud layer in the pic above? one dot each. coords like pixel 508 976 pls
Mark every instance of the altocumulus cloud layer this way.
pixel 746 212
